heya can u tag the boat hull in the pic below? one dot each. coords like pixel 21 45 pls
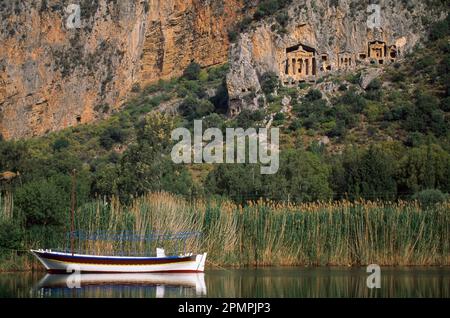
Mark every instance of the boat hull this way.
pixel 55 262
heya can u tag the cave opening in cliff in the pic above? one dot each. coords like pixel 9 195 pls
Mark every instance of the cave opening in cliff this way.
pixel 78 119
pixel 393 52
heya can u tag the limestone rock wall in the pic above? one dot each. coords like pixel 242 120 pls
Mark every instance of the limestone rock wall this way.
pixel 52 77
pixel 180 31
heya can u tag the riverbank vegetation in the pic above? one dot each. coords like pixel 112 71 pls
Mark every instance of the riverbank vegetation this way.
pixel 262 233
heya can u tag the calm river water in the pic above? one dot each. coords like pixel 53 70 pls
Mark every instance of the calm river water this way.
pixel 261 283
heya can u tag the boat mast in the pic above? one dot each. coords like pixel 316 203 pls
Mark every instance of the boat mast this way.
pixel 72 218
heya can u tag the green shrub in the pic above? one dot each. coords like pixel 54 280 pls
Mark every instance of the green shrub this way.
pixel 203 76
pixel 60 144
pixel 232 35
pixel 430 197
pixel 248 118
pixel 313 95
pixel 192 71
pixel 397 77
pixel 342 88
pixel 269 82
pixel 424 62
pixel 296 124
pixel 282 18
pixel 356 102
pixel 193 108
pixel 339 130
pixel 374 84
pixel 354 78
pixel 268 7
pixel 440 29
pixel 279 116
pixel 110 136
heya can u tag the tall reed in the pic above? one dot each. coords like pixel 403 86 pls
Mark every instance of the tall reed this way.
pixel 6 206
pixel 269 233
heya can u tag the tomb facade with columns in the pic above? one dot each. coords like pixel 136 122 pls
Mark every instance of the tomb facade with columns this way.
pixel 300 64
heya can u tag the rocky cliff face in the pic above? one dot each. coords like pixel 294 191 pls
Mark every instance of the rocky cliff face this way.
pixel 181 31
pixel 52 76
pixel 333 35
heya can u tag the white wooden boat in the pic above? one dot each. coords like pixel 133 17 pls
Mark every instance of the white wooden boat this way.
pixel 62 262
pixel 57 262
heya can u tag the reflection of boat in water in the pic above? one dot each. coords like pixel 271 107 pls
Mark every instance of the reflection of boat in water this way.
pixel 56 262
pixel 161 281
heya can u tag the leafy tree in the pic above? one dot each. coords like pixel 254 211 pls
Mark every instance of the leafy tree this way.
pixel 424 167
pixel 367 174
pixel 146 166
pixel 13 156
pixel 203 76
pixel 106 180
pixel 42 203
pixel 425 115
pixel 282 18
pixel 302 178
pixel 213 121
pixel 269 7
pixel 240 182
pixel 11 236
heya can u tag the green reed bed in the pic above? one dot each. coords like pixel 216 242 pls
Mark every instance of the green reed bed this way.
pixel 267 233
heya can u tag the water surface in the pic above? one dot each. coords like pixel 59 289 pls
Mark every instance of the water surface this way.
pixel 259 283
